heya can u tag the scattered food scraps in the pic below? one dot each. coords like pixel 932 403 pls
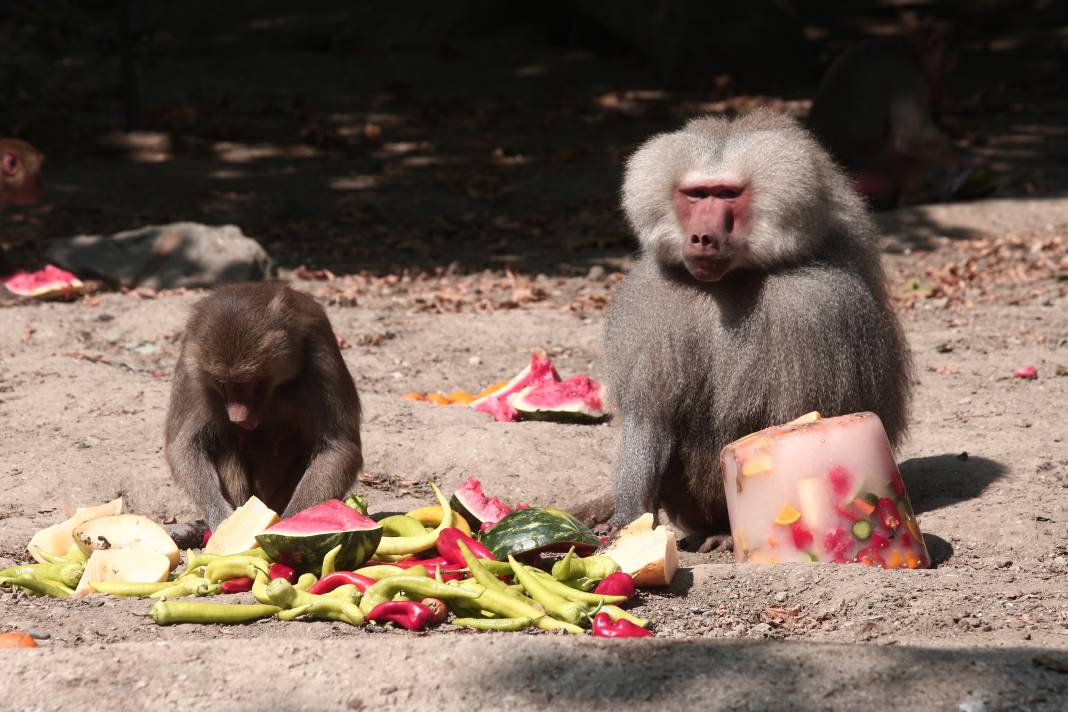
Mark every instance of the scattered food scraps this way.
pixel 1027 372
pixel 51 282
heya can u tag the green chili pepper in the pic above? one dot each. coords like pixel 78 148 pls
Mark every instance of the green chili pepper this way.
pixel 129 590
pixel 480 572
pixel 499 624
pixel 383 571
pixel 259 588
pixel 387 588
pixel 228 567
pixel 74 555
pixel 497 568
pixel 571 594
pixel 348 592
pixel 616 613
pixel 65 573
pixel 295 603
pixel 191 586
pixel 507 606
pixel 554 604
pixel 305 581
pixel 170 612
pixel 422 542
pixel 39 585
pixel 594 567
pixel 401 525
pixel 328 561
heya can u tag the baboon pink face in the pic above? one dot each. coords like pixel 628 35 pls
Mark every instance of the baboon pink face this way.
pixel 714 219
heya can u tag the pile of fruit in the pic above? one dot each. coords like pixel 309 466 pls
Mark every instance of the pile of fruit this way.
pixel 474 562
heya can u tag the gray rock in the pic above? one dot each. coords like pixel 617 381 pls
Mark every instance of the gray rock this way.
pixel 165 256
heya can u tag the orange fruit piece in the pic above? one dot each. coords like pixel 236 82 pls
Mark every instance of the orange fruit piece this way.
pixel 490 389
pixel 436 399
pixel 461 397
pixel 413 396
pixel 16 640
pixel 787 515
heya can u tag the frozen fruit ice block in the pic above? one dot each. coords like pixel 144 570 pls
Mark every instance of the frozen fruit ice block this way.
pixel 820 489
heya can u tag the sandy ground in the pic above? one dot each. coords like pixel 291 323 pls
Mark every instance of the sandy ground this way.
pixel 83 388
pixel 362 147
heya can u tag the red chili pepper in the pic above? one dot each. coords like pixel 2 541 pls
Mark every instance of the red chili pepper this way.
pixel 428 563
pixel 617 584
pixel 604 627
pixel 236 585
pixel 409 614
pixel 341 578
pixel 283 572
pixel 888 513
pixel 449 548
pixel 207 537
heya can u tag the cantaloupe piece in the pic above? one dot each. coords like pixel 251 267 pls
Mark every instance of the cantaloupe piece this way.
pixel 57 540
pixel 123 566
pixel 650 556
pixel 238 532
pixel 125 531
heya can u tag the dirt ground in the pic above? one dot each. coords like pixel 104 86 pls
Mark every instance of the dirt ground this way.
pixel 475 228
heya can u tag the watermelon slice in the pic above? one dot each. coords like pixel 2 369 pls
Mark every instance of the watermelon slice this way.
pixel 579 399
pixel 48 283
pixel 302 540
pixel 480 511
pixel 534 530
pixel 540 372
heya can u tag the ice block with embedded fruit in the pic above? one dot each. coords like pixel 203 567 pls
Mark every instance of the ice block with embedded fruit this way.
pixel 821 489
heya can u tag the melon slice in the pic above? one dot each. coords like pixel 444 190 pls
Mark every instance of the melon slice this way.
pixel 125 531
pixel 48 283
pixel 238 532
pixel 579 399
pixel 57 540
pixel 123 566
pixel 302 540
pixel 649 555
pixel 473 505
pixel 540 372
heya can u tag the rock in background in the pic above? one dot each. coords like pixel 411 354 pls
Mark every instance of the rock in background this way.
pixel 165 256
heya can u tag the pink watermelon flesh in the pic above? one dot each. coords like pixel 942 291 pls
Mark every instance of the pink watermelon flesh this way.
pixel 540 372
pixel 301 541
pixel 481 511
pixel 330 516
pixel 578 393
pixel 51 279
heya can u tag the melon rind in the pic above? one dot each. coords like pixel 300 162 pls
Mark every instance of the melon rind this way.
pixel 125 531
pixel 539 529
pixel 588 408
pixel 57 539
pixel 467 508
pixel 238 532
pixel 539 371
pixel 287 543
pixel 123 566
pixel 649 555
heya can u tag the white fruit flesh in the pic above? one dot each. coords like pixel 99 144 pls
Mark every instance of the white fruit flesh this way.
pixel 57 540
pixel 649 555
pixel 238 531
pixel 125 531
pixel 123 566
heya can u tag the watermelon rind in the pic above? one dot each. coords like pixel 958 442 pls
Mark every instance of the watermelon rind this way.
pixel 539 529
pixel 492 511
pixel 304 552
